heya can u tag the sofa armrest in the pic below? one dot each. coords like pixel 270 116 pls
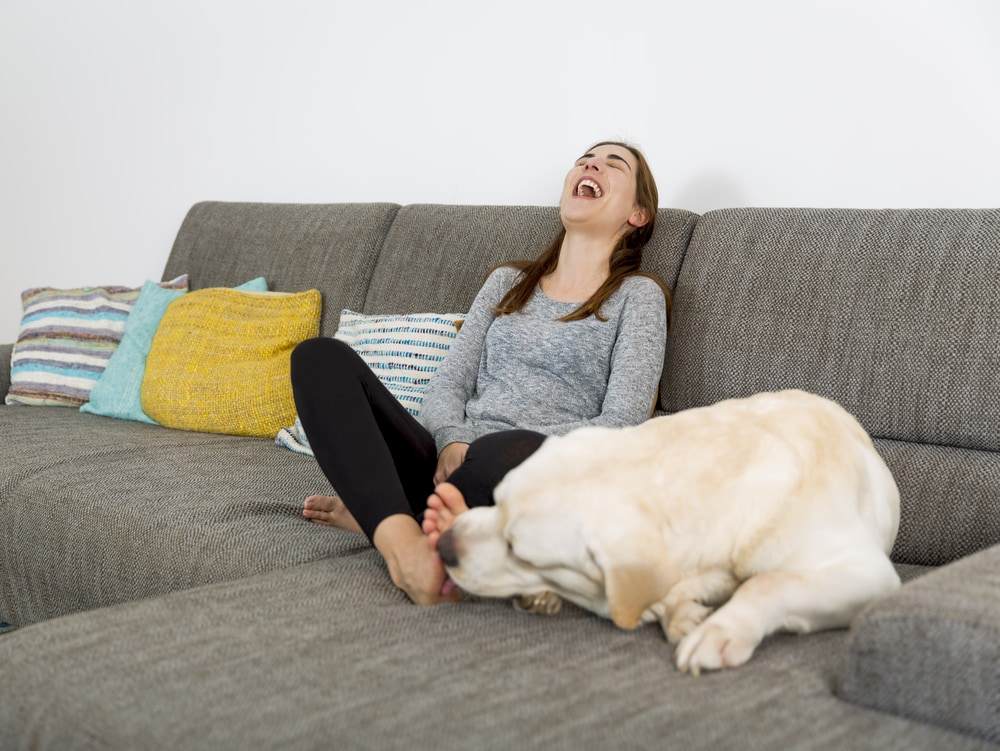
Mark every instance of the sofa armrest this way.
pixel 5 353
pixel 931 650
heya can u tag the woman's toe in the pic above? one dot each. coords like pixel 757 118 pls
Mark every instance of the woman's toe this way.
pixel 320 502
pixel 452 497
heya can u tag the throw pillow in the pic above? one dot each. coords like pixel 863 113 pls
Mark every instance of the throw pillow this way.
pixel 117 391
pixel 67 337
pixel 403 350
pixel 220 361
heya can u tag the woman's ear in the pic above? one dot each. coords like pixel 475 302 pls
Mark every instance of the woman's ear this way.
pixel 639 218
pixel 634 574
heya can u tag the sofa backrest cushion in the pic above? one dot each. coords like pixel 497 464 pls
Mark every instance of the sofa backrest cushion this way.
pixel 330 247
pixel 893 313
pixel 436 257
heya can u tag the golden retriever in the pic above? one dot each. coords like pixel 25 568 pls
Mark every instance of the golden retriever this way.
pixel 725 523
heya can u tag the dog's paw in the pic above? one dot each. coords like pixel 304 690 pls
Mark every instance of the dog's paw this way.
pixel 543 603
pixel 712 646
pixel 683 620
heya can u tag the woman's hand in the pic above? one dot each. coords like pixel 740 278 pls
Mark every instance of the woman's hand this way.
pixel 451 458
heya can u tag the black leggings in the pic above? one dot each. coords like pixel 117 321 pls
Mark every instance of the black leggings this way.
pixel 378 457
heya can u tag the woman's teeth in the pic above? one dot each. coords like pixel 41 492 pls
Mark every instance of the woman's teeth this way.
pixel 594 188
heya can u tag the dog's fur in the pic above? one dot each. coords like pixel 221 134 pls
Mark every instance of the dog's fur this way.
pixel 776 507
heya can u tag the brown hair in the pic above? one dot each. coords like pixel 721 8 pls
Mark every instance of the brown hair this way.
pixel 624 262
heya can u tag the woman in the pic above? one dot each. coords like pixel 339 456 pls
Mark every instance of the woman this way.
pixel 575 337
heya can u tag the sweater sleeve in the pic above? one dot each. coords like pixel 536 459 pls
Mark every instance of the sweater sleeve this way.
pixel 636 363
pixel 454 382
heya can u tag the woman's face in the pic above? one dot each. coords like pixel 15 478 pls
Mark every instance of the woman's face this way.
pixel 609 207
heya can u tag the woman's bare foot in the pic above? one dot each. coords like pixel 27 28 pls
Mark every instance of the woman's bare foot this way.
pixel 329 511
pixel 414 564
pixel 443 506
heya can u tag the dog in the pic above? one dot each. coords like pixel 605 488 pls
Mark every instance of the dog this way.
pixel 725 523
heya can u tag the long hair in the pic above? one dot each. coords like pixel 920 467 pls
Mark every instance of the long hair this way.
pixel 624 262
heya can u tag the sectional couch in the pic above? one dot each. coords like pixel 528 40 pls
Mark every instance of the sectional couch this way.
pixel 167 593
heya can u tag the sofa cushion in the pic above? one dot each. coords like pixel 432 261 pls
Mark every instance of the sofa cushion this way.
pixel 892 313
pixel 331 654
pixel 436 257
pixel 949 499
pixel 931 651
pixel 221 360
pixel 117 391
pixel 296 246
pixel 66 339
pixel 96 511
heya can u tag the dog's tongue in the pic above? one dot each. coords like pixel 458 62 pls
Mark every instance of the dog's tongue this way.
pixel 448 586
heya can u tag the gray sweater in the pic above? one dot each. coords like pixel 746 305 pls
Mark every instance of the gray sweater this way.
pixel 529 370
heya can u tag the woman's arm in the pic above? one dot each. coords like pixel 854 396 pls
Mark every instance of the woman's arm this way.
pixel 636 363
pixel 454 382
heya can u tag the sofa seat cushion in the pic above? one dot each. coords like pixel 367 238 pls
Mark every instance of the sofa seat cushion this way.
pixel 331 654
pixel 96 511
pixel 931 651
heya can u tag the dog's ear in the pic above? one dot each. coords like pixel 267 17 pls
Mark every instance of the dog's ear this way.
pixel 634 575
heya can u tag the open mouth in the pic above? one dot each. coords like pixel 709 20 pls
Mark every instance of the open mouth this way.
pixel 448 586
pixel 588 189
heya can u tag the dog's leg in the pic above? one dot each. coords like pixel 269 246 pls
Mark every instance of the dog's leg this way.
pixel 543 603
pixel 691 600
pixel 800 601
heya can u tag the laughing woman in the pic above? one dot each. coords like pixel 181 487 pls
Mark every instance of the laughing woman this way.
pixel 574 337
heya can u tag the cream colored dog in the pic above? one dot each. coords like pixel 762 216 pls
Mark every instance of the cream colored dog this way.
pixel 777 505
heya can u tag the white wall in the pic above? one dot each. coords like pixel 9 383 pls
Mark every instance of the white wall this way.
pixel 117 115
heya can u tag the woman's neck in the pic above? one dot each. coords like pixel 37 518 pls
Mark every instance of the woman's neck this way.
pixel 584 262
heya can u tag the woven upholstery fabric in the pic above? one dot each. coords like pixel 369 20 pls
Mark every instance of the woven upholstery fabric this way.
pixel 436 257
pixel 949 500
pixel 95 511
pixel 221 360
pixel 66 339
pixel 5 353
pixel 331 654
pixel 332 247
pixel 931 651
pixel 892 313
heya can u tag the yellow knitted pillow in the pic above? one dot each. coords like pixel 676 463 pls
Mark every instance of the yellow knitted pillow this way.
pixel 220 361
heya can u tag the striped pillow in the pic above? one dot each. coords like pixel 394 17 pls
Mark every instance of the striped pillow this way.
pixel 67 337
pixel 404 351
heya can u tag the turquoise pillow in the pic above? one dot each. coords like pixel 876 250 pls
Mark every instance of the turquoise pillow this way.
pixel 116 393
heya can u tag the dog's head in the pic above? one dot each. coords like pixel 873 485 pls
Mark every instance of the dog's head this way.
pixel 570 519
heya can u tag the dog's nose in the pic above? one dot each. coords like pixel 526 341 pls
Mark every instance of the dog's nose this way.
pixel 446 549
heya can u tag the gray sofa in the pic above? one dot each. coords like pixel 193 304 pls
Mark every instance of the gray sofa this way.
pixel 167 593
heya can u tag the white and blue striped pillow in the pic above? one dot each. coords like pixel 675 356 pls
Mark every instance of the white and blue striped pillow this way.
pixel 67 337
pixel 404 351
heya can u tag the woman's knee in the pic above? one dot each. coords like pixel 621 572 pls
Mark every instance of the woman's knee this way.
pixel 516 445
pixel 319 352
